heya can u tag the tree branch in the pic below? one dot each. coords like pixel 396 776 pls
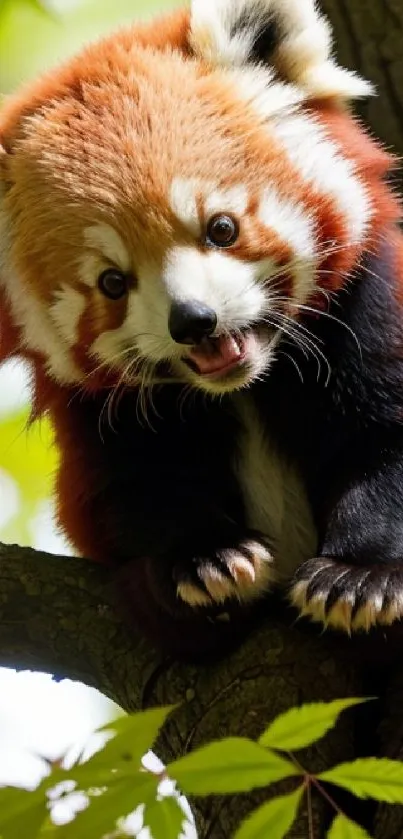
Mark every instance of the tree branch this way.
pixel 58 615
pixel 61 615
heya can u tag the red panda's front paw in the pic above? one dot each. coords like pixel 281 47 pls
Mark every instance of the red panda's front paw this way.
pixel 243 573
pixel 346 596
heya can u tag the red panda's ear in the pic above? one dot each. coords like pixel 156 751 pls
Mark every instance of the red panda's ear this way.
pixel 291 36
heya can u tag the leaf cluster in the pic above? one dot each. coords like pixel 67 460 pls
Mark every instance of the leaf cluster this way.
pixel 114 782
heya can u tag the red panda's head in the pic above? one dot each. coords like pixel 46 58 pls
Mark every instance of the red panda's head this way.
pixel 173 196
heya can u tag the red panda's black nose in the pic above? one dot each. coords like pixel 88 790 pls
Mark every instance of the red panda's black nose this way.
pixel 191 321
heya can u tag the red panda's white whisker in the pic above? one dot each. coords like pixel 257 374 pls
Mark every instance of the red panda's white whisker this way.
pixel 333 318
pixel 305 340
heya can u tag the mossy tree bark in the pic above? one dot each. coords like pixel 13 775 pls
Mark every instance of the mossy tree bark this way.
pixel 60 615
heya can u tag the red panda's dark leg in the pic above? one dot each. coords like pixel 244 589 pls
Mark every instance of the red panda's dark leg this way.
pixel 348 435
pixel 357 581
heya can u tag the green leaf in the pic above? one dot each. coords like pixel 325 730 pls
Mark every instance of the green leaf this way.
pixel 164 818
pixel 20 807
pixel 343 828
pixel 369 778
pixel 100 817
pixel 273 819
pixel 300 727
pixel 232 765
pixel 121 756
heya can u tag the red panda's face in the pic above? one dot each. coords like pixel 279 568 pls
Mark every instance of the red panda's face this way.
pixel 167 219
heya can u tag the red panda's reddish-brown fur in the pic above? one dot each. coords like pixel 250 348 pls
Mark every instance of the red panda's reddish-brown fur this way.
pixel 93 152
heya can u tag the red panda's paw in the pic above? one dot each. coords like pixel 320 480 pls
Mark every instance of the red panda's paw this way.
pixel 348 597
pixel 243 573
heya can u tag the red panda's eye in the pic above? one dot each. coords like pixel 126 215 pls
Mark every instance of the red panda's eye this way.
pixel 222 231
pixel 113 283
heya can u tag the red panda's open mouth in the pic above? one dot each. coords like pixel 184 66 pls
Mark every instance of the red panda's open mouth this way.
pixel 214 357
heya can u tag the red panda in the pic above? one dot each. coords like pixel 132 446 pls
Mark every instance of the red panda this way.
pixel 200 258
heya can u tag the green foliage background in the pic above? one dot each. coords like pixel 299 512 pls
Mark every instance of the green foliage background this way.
pixel 34 36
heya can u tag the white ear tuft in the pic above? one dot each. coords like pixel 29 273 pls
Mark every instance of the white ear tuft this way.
pixel 226 32
pixel 329 81
pixel 290 36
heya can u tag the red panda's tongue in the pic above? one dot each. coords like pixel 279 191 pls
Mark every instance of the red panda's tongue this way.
pixel 215 355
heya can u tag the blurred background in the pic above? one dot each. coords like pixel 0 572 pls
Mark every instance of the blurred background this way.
pixel 37 715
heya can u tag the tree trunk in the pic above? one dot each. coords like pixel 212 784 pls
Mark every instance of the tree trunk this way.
pixel 60 615
pixel 369 37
